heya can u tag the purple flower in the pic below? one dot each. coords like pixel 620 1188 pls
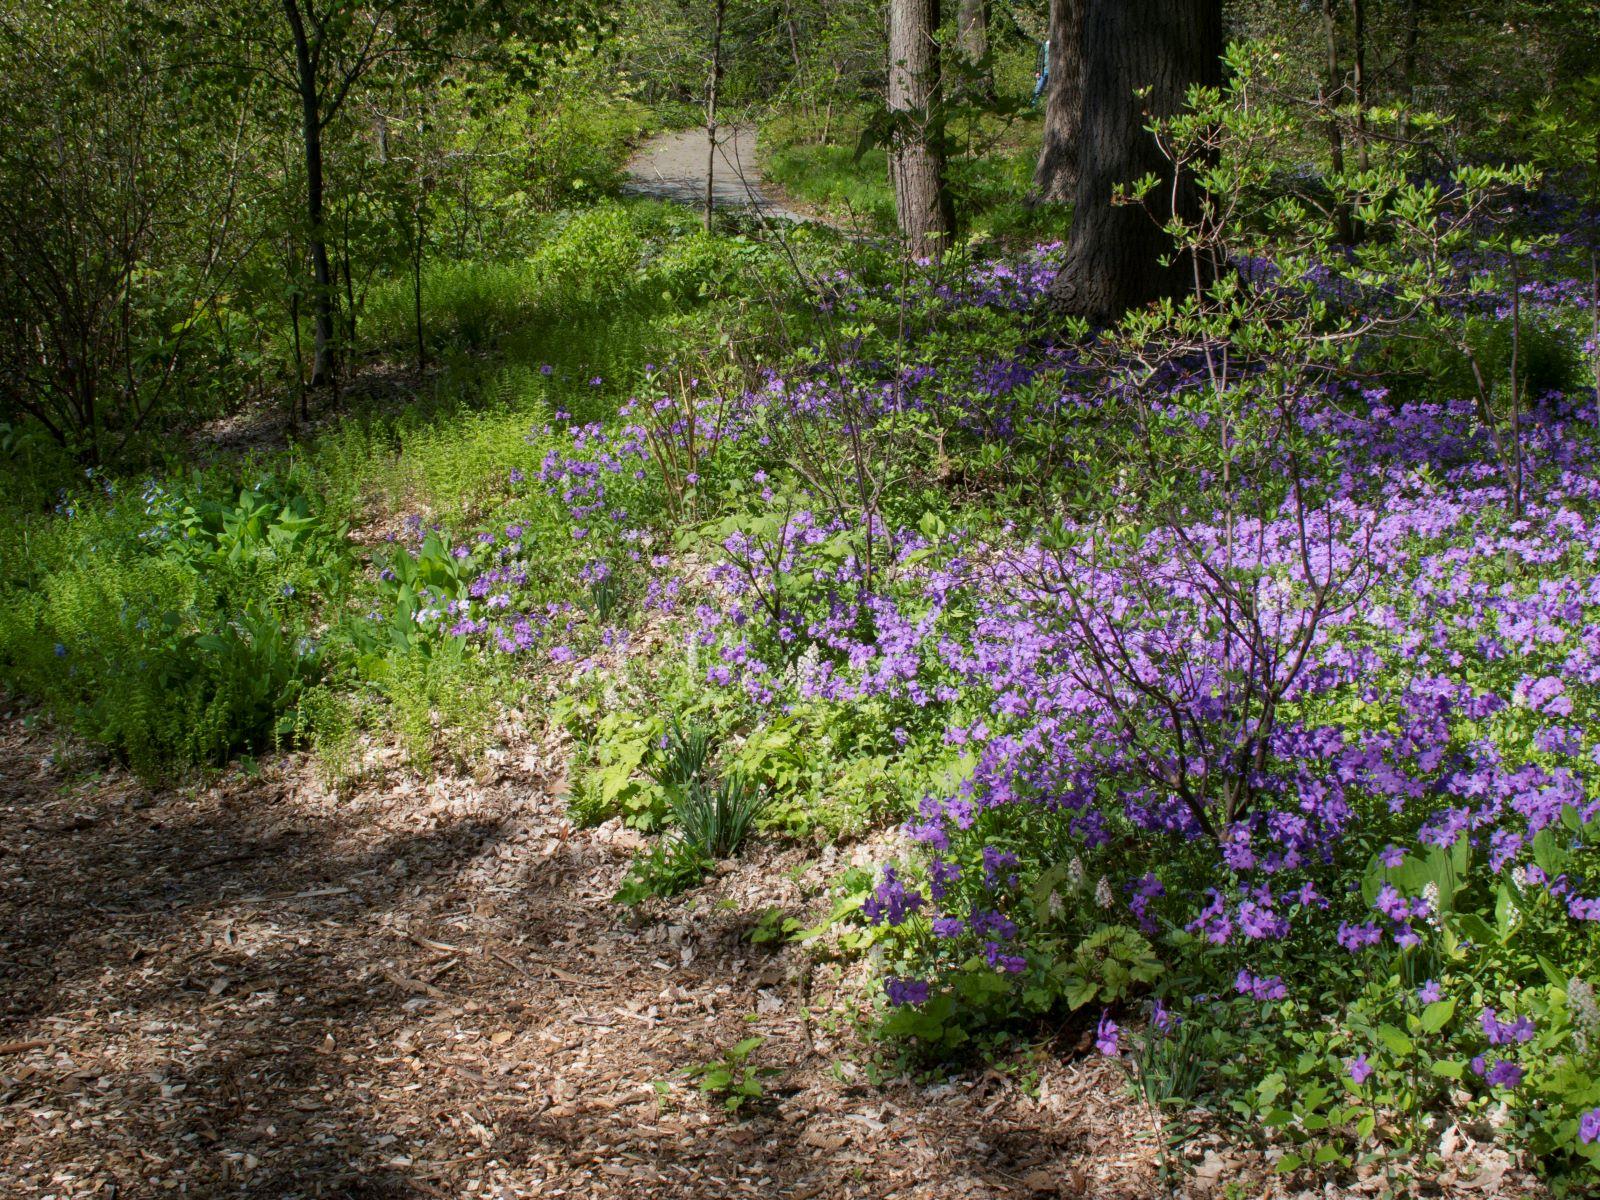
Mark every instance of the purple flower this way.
pixel 1505 1033
pixel 1260 987
pixel 1589 1126
pixel 906 991
pixel 1504 1074
pixel 890 901
pixel 1106 1035
pixel 1430 992
pixel 1163 1018
pixel 1360 1069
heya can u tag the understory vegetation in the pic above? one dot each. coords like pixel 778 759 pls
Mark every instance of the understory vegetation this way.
pixel 1223 679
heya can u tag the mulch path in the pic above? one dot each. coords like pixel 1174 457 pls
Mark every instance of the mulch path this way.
pixel 420 988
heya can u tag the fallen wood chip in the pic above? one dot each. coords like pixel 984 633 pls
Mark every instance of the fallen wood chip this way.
pixel 23 1046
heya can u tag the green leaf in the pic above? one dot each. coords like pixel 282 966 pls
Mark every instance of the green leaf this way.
pixel 1476 928
pixel 1556 976
pixel 1437 1015
pixel 1397 1042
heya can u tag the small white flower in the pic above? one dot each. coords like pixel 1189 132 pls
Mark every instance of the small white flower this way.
pixel 1584 1011
pixel 1075 873
pixel 1102 893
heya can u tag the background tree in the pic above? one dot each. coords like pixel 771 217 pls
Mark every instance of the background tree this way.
pixel 1055 179
pixel 916 152
pixel 121 193
pixel 1140 59
pixel 972 39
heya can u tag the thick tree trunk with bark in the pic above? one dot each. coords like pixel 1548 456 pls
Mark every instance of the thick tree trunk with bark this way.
pixel 1055 179
pixel 916 156
pixel 1114 251
pixel 316 225
pixel 972 36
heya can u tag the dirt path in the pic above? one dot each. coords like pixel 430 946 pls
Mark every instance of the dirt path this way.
pixel 673 166
pixel 421 989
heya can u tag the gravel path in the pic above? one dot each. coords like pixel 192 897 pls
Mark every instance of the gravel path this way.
pixel 672 166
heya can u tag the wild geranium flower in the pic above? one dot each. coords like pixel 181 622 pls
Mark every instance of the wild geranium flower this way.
pixel 1360 1069
pixel 1106 1035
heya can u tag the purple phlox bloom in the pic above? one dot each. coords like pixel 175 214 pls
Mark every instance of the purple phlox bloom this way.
pixel 906 991
pixel 1106 1035
pixel 1589 1126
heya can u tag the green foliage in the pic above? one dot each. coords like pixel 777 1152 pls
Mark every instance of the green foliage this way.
pixel 168 627
pixel 732 1079
pixel 666 869
pixel 714 816
pixel 1110 966
pixel 440 702
pixel 775 926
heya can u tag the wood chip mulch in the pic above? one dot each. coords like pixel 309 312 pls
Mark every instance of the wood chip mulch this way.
pixel 420 988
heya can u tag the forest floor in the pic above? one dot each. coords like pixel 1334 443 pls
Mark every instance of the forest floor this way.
pixel 674 166
pixel 421 988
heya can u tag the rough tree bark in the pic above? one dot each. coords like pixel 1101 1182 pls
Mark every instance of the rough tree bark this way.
pixel 1056 176
pixel 316 226
pixel 1114 251
pixel 972 36
pixel 916 154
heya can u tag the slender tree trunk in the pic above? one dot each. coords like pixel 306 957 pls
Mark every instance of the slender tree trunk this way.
pixel 1159 48
pixel 1358 11
pixel 721 12
pixel 1408 54
pixel 916 156
pixel 972 36
pixel 1056 177
pixel 316 230
pixel 1331 94
pixel 416 280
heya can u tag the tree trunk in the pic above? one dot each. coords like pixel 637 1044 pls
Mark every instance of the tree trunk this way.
pixel 721 11
pixel 316 231
pixel 972 36
pixel 916 155
pixel 1358 10
pixel 1056 176
pixel 1114 251
pixel 1331 98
